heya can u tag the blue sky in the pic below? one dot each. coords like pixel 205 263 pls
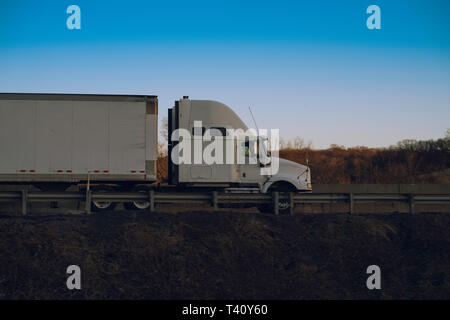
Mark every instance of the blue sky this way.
pixel 310 68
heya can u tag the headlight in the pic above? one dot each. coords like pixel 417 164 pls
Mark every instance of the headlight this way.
pixel 309 186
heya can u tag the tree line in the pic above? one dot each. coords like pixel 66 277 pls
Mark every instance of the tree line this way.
pixel 409 161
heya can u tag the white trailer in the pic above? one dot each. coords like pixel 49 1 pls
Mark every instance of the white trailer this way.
pixel 68 138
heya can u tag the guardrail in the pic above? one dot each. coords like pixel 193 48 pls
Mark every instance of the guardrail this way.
pixel 215 198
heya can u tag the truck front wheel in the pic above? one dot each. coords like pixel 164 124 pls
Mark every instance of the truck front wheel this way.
pixel 283 207
pixel 284 204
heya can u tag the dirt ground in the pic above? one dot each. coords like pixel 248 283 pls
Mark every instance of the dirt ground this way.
pixel 225 255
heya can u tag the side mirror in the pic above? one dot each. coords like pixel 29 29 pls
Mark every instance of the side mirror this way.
pixel 264 164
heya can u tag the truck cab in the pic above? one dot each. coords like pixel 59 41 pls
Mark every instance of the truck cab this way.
pixel 198 124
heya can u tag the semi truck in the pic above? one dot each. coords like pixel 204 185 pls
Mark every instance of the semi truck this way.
pixel 54 141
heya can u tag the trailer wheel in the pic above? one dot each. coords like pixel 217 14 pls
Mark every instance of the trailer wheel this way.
pixel 138 205
pixel 102 205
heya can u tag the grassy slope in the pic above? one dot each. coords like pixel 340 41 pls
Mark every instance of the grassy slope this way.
pixel 225 255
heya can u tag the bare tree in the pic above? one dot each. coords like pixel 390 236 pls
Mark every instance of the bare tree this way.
pixel 282 143
pixel 164 131
pixel 298 143
pixel 163 138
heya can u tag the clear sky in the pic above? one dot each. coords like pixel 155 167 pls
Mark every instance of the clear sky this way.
pixel 310 68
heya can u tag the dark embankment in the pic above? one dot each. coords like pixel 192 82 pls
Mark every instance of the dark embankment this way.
pixel 225 256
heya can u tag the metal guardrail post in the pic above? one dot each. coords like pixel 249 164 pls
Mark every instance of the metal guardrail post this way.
pixel 214 200
pixel 88 201
pixel 24 201
pixel 151 195
pixel 411 203
pixel 291 203
pixel 275 200
pixel 351 202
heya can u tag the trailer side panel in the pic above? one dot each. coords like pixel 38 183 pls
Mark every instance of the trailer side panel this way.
pixel 66 137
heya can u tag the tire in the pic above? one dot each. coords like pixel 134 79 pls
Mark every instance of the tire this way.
pixel 138 205
pixel 98 206
pixel 283 205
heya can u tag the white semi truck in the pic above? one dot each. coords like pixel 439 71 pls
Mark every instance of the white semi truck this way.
pixel 57 140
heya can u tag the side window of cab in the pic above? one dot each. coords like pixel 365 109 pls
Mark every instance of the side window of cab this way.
pixel 250 148
pixel 218 131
